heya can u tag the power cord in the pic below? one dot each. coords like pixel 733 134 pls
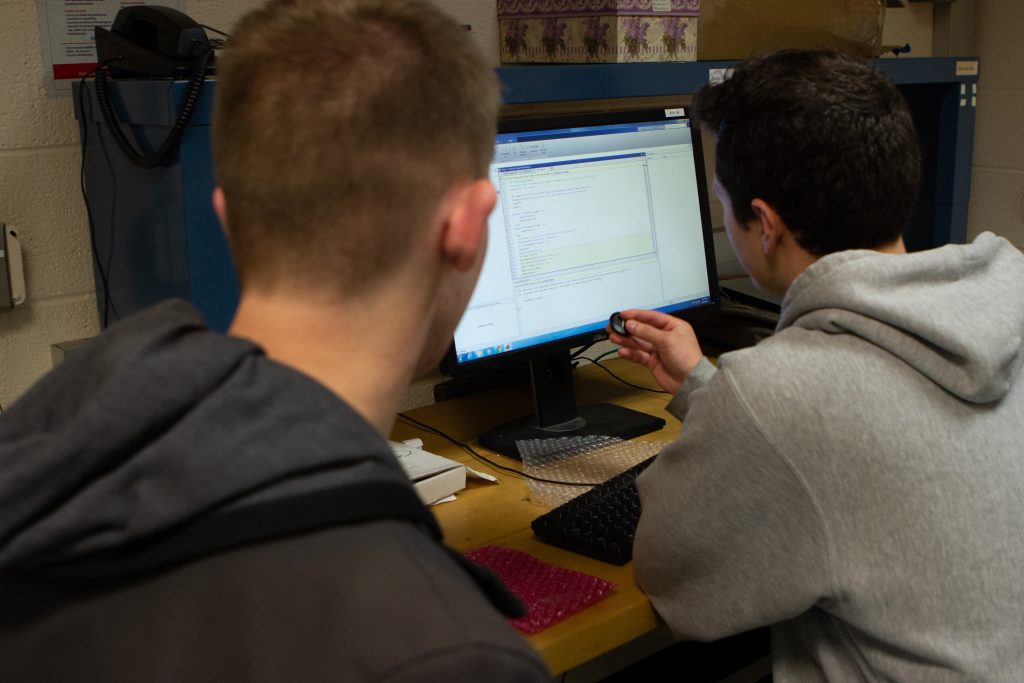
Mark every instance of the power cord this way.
pixel 215 30
pixel 596 361
pixel 603 355
pixel 469 449
pixel 108 302
pixel 578 352
pixel 188 107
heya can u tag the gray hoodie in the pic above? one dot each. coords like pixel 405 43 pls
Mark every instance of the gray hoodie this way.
pixel 857 480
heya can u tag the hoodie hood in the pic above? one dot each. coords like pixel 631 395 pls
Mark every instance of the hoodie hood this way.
pixel 955 314
pixel 160 422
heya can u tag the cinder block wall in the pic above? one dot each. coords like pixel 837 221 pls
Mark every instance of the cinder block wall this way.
pixel 39 167
pixel 997 181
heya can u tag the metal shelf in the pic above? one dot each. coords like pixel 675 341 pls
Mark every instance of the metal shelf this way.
pixel 942 92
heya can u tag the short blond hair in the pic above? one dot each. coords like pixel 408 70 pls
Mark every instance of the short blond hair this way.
pixel 338 127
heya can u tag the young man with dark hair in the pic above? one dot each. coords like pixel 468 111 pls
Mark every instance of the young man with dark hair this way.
pixel 856 480
pixel 180 505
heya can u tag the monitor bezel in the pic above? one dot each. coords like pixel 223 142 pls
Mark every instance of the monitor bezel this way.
pixel 450 365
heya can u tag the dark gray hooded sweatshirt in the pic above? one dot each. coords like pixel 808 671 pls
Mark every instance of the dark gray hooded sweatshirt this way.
pixel 176 506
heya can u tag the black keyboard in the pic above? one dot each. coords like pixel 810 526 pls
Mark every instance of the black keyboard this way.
pixel 600 523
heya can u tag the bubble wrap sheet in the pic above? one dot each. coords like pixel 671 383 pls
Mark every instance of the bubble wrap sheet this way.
pixel 550 593
pixel 579 460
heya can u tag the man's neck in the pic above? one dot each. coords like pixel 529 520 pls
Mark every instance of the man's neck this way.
pixel 897 247
pixel 362 352
pixel 798 260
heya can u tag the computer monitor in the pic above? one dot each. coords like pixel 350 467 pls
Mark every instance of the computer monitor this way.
pixel 596 213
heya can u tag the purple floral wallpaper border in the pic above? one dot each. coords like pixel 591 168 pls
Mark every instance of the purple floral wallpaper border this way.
pixel 567 8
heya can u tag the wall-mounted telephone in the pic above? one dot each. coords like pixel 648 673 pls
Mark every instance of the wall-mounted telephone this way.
pixel 149 41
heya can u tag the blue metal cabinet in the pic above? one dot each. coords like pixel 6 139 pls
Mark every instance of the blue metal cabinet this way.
pixel 155 232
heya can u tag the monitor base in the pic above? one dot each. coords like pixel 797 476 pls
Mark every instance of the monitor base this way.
pixel 598 419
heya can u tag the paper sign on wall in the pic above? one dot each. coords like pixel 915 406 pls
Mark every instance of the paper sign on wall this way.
pixel 66 34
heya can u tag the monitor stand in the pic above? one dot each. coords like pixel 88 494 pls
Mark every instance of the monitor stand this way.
pixel 557 415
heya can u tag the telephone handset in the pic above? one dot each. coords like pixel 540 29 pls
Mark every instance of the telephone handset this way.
pixel 150 41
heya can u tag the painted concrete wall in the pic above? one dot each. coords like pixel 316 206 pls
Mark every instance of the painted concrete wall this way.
pixel 997 181
pixel 39 169
pixel 40 158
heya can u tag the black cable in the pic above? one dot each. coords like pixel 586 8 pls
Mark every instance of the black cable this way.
pixel 580 351
pixel 170 143
pixel 605 354
pixel 108 302
pixel 628 384
pixel 469 449
pixel 215 30
pixel 216 43
pixel 188 107
pixel 112 236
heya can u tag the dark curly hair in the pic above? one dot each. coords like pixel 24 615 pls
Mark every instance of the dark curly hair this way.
pixel 825 139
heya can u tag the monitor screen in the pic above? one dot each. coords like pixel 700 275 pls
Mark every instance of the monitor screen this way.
pixel 596 213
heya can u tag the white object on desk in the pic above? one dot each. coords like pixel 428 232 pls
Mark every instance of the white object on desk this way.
pixel 434 477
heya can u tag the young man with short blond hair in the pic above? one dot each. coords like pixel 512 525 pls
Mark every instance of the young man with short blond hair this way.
pixel 180 505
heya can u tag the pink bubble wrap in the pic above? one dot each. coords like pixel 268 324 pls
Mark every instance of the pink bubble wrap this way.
pixel 550 593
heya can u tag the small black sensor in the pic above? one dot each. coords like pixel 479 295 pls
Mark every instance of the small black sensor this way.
pixel 618 324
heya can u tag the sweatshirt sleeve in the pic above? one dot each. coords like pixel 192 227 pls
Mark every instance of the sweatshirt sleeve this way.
pixel 700 376
pixel 729 538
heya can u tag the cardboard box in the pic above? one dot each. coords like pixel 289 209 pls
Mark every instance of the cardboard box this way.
pixel 597 31
pixel 600 31
pixel 433 476
pixel 737 29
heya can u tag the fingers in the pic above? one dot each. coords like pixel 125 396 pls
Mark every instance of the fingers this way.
pixel 636 356
pixel 653 327
pixel 631 342
pixel 657 319
pixel 647 333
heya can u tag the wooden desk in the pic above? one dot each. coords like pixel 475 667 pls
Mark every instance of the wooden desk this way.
pixel 501 514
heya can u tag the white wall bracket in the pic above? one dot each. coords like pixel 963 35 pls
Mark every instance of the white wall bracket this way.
pixel 12 270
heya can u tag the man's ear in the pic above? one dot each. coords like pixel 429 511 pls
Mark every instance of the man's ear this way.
pixel 769 224
pixel 464 234
pixel 220 207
